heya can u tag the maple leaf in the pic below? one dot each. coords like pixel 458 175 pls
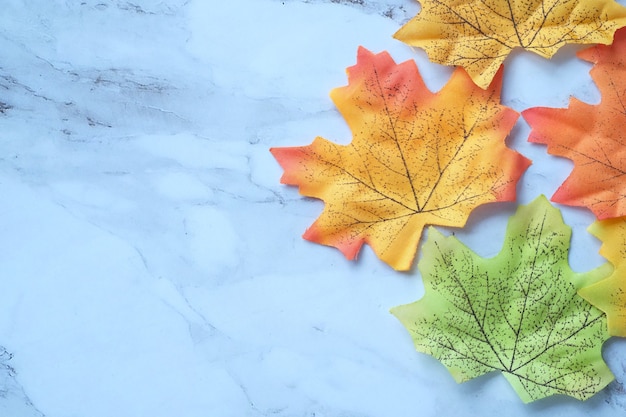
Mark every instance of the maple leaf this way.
pixel 478 35
pixel 416 158
pixel 609 295
pixel 517 312
pixel 592 136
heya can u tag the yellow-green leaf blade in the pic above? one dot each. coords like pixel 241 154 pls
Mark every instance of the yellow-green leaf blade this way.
pixel 517 313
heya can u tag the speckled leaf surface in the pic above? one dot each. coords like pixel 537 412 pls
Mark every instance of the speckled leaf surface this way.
pixel 517 313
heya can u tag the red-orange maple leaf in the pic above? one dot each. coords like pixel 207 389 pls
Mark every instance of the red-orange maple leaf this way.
pixel 592 136
pixel 416 158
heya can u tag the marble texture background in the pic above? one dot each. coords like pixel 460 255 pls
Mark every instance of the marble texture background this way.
pixel 151 263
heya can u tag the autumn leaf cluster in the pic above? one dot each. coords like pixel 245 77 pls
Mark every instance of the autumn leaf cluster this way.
pixel 419 158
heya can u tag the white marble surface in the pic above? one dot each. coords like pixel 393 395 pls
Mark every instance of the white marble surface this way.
pixel 151 263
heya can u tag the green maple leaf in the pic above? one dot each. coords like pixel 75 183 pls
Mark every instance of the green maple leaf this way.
pixel 517 312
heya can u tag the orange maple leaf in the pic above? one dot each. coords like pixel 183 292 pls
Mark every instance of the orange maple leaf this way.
pixel 592 136
pixel 609 295
pixel 478 35
pixel 416 158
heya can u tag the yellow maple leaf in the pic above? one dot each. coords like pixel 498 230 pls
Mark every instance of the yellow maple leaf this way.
pixel 609 295
pixel 478 35
pixel 416 158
